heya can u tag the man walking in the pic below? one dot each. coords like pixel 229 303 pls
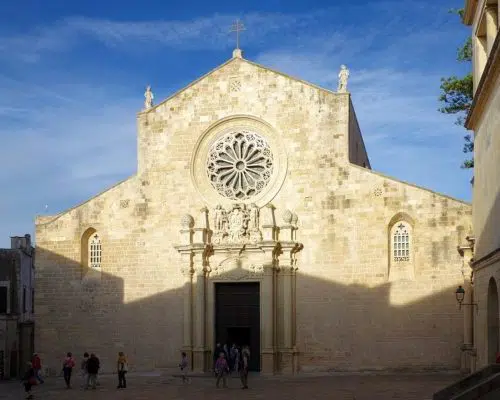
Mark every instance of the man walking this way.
pixel 245 356
pixel 92 370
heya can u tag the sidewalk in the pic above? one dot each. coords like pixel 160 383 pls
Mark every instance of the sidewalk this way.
pixel 162 385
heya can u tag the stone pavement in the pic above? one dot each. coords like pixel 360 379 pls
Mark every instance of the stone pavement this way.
pixel 162 386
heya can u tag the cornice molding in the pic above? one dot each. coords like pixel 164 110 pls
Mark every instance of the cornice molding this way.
pixel 489 259
pixel 469 11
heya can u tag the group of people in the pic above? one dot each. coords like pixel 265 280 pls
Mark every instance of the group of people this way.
pixel 89 369
pixel 226 360
pixel 231 359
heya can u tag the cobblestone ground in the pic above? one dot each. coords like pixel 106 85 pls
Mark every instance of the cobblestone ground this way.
pixel 158 386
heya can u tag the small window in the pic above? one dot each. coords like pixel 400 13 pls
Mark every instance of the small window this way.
pixel 95 251
pixel 32 301
pixel 24 300
pixel 401 242
pixel 4 293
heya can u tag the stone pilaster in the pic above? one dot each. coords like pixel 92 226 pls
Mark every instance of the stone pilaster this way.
pixel 199 315
pixel 468 351
pixel 187 333
pixel 268 317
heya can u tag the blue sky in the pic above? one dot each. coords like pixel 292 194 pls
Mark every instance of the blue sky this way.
pixel 72 78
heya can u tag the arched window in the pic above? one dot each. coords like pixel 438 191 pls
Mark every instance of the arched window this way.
pixel 91 250
pixel 94 251
pixel 401 248
pixel 401 242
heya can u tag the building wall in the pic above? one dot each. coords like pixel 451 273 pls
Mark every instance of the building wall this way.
pixel 487 178
pixel 357 150
pixel 351 312
pixel 486 192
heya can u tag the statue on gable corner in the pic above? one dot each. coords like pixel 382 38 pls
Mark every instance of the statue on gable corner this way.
pixel 343 78
pixel 148 95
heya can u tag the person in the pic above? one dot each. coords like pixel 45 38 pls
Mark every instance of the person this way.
pixel 221 370
pixel 122 368
pixel 233 355
pixel 218 350
pixel 497 359
pixel 68 365
pixel 83 369
pixel 92 370
pixel 37 366
pixel 243 367
pixel 183 365
pixel 29 379
pixel 237 359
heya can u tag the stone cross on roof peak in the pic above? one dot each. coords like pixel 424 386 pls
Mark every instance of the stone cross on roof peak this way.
pixel 237 27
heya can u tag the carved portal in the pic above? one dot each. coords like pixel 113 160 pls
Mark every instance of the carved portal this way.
pixel 233 249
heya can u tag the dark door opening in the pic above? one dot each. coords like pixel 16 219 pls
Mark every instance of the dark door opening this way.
pixel 237 317
pixel 241 336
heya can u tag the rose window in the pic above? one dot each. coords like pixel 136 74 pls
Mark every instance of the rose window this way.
pixel 240 165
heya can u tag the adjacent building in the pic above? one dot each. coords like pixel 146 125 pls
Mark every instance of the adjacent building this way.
pixel 17 307
pixel 484 120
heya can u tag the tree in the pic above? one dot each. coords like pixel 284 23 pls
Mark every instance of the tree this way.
pixel 457 95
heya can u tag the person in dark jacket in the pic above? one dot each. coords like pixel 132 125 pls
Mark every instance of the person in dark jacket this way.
pixel 29 379
pixel 92 370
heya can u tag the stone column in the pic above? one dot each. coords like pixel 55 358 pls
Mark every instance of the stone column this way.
pixel 187 332
pixel 491 26
pixel 268 316
pixel 199 312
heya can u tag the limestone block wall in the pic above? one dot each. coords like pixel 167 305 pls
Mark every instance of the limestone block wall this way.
pixel 350 314
pixel 481 331
pixel 357 150
pixel 487 178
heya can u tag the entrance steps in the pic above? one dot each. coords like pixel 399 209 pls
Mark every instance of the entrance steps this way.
pixel 481 385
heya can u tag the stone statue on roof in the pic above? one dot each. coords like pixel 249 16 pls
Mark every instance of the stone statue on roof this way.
pixel 343 78
pixel 148 95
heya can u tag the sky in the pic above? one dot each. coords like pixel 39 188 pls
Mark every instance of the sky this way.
pixel 73 74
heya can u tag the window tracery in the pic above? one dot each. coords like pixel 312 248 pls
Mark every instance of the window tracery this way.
pixel 240 165
pixel 95 251
pixel 401 242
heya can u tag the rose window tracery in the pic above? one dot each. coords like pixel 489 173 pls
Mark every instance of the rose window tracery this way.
pixel 240 165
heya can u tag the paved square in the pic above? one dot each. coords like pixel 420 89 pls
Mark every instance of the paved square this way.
pixel 338 387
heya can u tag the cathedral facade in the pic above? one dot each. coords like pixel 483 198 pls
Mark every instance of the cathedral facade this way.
pixel 254 218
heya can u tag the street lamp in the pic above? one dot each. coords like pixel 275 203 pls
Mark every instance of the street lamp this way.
pixel 460 295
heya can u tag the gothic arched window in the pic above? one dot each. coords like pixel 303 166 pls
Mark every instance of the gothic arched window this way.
pixel 94 251
pixel 401 242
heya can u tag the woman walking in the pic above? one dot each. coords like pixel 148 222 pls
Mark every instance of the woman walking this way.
pixel 29 379
pixel 68 365
pixel 122 367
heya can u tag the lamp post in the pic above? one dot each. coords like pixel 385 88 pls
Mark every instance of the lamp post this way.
pixel 460 295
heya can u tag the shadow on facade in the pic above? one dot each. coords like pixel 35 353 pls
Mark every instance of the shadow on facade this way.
pixel 338 327
pixel 490 239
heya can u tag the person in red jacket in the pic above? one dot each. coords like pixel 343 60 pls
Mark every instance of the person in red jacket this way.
pixel 37 366
pixel 497 360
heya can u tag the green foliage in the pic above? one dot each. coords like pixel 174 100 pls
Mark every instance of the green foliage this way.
pixel 457 94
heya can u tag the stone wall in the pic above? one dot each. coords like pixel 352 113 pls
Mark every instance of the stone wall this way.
pixel 349 316
pixel 357 150
pixel 487 178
